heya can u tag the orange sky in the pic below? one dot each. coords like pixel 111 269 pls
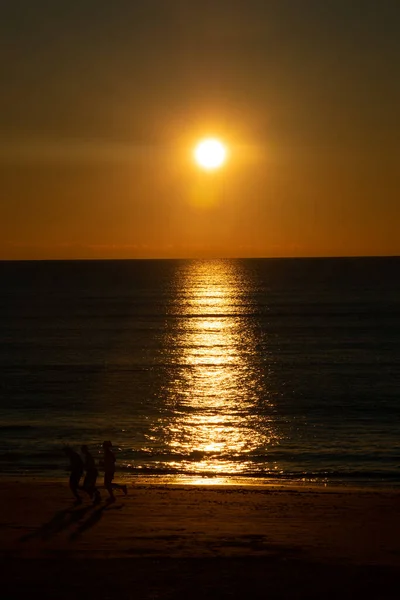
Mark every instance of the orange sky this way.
pixel 100 116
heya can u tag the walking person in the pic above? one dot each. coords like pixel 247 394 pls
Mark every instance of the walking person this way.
pixel 109 472
pixel 89 483
pixel 76 466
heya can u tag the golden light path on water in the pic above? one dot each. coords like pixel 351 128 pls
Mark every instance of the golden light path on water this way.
pixel 220 410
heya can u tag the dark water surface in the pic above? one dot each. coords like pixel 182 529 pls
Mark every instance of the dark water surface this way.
pixel 276 368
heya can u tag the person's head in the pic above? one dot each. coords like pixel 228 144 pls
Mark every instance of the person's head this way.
pixel 107 445
pixel 84 449
pixel 68 450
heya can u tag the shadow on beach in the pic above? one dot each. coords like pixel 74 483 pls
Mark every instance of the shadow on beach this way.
pixel 61 520
pixel 67 518
pixel 93 519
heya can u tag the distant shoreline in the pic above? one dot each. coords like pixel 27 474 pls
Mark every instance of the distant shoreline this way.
pixel 209 483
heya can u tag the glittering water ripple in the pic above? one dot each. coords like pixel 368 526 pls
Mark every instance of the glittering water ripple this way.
pixel 214 369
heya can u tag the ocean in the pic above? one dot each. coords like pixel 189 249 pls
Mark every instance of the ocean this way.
pixel 253 370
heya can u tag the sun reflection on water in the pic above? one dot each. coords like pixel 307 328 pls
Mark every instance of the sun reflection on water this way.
pixel 213 398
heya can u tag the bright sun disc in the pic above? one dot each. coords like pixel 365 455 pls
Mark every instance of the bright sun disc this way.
pixel 210 154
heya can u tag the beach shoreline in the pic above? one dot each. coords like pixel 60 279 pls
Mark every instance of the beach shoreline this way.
pixel 262 483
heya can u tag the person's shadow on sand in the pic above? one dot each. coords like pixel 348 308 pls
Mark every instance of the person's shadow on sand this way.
pixel 61 520
pixel 93 519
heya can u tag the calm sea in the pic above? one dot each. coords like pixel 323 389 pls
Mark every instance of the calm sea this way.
pixel 214 370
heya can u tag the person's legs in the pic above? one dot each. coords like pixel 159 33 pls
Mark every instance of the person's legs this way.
pixel 108 477
pixel 74 484
pixel 89 484
pixel 95 494
pixel 86 485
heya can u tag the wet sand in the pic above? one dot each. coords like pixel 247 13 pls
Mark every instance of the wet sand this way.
pixel 200 542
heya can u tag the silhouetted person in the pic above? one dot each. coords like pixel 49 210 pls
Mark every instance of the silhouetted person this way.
pixel 109 471
pixel 89 483
pixel 76 466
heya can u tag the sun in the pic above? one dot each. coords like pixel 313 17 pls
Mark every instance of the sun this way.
pixel 210 154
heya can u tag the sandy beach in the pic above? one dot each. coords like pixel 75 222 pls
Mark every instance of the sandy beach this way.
pixel 166 541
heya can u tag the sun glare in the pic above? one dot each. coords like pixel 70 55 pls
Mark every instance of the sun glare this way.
pixel 210 154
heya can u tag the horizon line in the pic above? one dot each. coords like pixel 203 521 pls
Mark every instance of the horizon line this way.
pixel 336 257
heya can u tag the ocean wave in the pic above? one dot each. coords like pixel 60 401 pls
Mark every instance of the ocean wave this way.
pixel 46 463
pixel 323 475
